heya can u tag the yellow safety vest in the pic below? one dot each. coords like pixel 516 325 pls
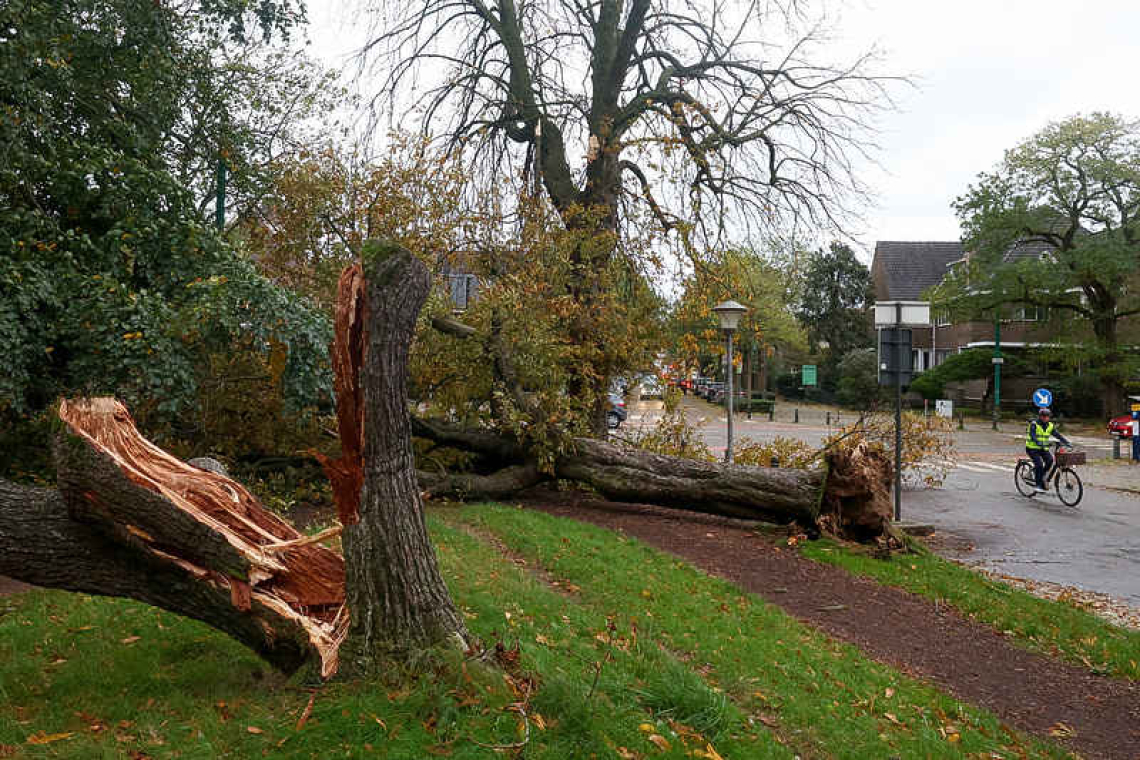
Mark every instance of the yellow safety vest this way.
pixel 1044 433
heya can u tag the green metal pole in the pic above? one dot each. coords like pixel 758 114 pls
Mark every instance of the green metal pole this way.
pixel 220 204
pixel 997 368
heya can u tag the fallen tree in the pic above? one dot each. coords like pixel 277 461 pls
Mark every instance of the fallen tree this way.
pixel 849 495
pixel 130 520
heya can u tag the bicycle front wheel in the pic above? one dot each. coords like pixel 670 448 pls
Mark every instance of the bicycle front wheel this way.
pixel 1069 487
pixel 1024 478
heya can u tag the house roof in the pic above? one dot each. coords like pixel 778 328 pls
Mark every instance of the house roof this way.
pixel 1031 250
pixel 904 269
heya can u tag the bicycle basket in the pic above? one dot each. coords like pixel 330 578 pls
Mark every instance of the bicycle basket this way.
pixel 1070 458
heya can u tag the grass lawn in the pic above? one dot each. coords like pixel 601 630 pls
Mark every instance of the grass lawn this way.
pixel 1051 627
pixel 634 655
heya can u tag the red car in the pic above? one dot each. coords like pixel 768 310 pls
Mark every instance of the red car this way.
pixel 1121 426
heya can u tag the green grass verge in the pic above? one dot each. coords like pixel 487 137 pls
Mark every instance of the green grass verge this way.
pixel 85 677
pixel 822 697
pixel 1054 628
pixel 645 658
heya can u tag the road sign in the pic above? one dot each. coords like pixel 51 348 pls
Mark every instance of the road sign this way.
pixel 894 356
pixel 1135 408
pixel 998 360
pixel 807 375
pixel 944 407
pixel 1042 397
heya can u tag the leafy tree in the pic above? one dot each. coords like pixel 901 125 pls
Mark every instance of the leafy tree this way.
pixel 325 201
pixel 682 111
pixel 836 291
pixel 111 280
pixel 1069 195
pixel 762 284
pixel 974 364
pixel 858 385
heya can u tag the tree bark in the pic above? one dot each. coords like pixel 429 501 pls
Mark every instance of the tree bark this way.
pixel 398 599
pixel 625 474
pixel 1111 385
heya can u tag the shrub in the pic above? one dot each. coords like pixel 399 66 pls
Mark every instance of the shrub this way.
pixel 673 434
pixel 858 386
pixel 787 452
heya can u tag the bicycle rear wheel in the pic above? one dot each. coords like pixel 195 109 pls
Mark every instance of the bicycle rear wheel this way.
pixel 1069 487
pixel 1024 478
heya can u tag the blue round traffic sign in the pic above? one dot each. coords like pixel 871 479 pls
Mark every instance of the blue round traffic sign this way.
pixel 1042 397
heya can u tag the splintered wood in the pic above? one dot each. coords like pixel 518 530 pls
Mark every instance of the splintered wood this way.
pixel 285 574
pixel 346 474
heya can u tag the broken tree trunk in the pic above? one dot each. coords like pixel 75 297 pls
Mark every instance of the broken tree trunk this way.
pixel 847 496
pixel 130 520
pixel 398 599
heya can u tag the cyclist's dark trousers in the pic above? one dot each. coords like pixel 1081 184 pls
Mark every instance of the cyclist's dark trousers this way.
pixel 1042 461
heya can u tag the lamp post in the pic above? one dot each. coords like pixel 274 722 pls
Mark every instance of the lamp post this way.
pixel 729 314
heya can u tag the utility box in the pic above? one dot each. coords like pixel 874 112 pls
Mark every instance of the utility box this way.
pixel 894 355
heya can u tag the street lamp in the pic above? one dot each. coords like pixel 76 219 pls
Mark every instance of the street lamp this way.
pixel 729 314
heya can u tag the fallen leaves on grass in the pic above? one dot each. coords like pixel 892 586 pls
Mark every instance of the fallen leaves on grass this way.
pixel 1061 729
pixel 130 640
pixel 41 738
pixel 254 730
pixel 306 712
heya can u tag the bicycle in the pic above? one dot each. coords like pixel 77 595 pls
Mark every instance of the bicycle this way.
pixel 1064 478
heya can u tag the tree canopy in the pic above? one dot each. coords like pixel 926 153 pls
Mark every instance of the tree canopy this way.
pixel 111 278
pixel 1057 225
pixel 685 108
pixel 763 284
pixel 708 120
pixel 836 292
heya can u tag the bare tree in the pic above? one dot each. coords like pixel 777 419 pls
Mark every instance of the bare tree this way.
pixel 689 109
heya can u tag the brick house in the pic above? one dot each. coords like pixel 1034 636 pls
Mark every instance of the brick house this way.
pixel 904 271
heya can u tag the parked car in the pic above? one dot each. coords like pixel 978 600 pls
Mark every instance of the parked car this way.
pixel 617 414
pixel 1121 426
pixel 651 386
pixel 711 389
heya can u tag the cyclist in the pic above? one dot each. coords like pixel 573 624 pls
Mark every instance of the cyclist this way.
pixel 1037 444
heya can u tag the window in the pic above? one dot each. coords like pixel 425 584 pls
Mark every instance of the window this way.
pixel 464 290
pixel 1030 314
pixel 941 318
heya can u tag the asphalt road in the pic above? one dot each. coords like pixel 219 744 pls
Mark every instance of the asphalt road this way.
pixel 1095 546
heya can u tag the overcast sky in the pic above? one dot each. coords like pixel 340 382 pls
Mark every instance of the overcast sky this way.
pixel 987 73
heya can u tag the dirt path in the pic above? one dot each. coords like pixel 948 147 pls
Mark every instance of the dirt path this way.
pixel 969 660
pixel 11 586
